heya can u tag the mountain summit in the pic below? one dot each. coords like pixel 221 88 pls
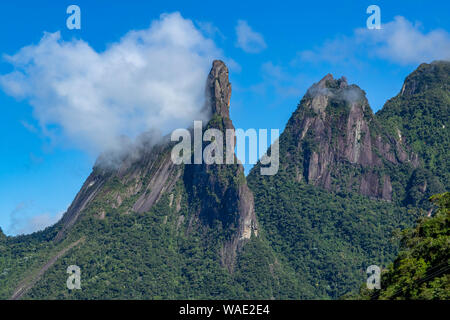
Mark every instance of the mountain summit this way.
pixel 147 228
pixel 222 188
pixel 166 224
pixel 420 117
pixel 338 143
pixel 214 193
pixel 349 178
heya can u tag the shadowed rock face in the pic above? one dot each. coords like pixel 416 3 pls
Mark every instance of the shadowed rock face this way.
pixel 222 188
pixel 339 143
pixel 218 90
pixel 217 193
pixel 146 177
pixel 89 190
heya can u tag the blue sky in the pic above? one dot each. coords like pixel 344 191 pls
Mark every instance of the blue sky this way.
pixel 275 50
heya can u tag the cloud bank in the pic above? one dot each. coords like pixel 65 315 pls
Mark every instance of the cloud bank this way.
pixel 247 39
pixel 150 79
pixel 399 41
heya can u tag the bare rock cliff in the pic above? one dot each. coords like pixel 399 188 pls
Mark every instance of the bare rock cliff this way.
pixel 339 145
pixel 216 193
pixel 222 188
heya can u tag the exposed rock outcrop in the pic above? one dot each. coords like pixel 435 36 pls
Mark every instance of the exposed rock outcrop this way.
pixel 222 188
pixel 425 77
pixel 339 143
pixel 217 193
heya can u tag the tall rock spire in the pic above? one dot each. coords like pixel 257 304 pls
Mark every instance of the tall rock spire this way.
pixel 227 182
pixel 218 89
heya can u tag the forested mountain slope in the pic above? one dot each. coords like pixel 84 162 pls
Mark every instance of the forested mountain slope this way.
pixel 378 181
pixel 422 270
pixel 146 228
pixel 151 229
pixel 420 116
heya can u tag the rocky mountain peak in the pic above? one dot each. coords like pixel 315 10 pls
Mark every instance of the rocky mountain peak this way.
pixel 218 89
pixel 149 178
pixel 209 182
pixel 330 82
pixel 335 132
pixel 334 94
pixel 427 76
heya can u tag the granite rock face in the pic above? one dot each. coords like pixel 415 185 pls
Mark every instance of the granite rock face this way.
pixel 339 144
pixel 222 188
pixel 216 193
pixel 218 90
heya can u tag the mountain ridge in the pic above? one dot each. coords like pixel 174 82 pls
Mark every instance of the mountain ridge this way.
pixel 347 181
pixel 334 235
pixel 337 131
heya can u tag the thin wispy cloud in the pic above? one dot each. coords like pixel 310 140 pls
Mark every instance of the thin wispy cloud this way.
pixel 399 41
pixel 210 29
pixel 150 79
pixel 38 222
pixel 24 222
pixel 29 126
pixel 285 83
pixel 341 49
pixel 249 40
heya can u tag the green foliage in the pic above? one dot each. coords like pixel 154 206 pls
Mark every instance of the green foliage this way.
pixel 2 235
pixel 165 253
pixel 422 117
pixel 327 239
pixel 20 255
pixel 263 275
pixel 422 269
pixel 311 244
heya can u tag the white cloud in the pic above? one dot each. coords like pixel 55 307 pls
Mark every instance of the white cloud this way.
pixel 247 39
pixel 24 222
pixel 272 71
pixel 399 41
pixel 338 50
pixel 403 42
pixel 151 79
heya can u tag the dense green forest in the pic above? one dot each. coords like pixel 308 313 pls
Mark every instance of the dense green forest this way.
pixel 420 115
pixel 329 239
pixel 421 270
pixel 332 237
pixel 145 256
pixel 350 189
